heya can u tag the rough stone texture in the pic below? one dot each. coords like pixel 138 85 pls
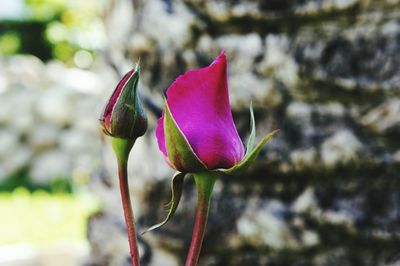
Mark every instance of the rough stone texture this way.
pixel 48 118
pixel 325 192
pixel 326 72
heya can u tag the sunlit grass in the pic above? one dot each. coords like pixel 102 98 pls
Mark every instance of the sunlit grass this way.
pixel 41 218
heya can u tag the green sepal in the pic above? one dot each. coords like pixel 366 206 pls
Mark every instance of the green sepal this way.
pixel 176 189
pixel 252 136
pixel 180 153
pixel 250 157
pixel 131 107
pixel 129 119
pixel 251 151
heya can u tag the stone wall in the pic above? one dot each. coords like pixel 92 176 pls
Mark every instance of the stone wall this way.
pixel 48 119
pixel 327 73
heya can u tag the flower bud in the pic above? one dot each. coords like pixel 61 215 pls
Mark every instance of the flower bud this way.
pixel 196 132
pixel 124 116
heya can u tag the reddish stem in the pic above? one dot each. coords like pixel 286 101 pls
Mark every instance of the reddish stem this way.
pixel 205 184
pixel 126 204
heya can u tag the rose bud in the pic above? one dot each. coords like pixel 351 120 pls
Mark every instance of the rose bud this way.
pixel 124 116
pixel 124 120
pixel 197 134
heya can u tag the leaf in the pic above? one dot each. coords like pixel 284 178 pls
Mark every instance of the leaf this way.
pixel 252 137
pixel 180 153
pixel 249 158
pixel 176 188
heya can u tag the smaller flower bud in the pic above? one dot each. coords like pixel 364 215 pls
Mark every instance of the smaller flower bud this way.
pixel 124 116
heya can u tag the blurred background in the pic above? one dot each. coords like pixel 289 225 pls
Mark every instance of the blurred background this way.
pixel 326 72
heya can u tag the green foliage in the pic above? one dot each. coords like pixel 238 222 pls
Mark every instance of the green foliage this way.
pixel 71 25
pixel 10 43
pixel 64 51
pixel 24 37
pixel 20 178
pixel 54 29
pixel 45 10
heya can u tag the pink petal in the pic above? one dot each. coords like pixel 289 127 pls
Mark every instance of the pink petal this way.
pixel 199 103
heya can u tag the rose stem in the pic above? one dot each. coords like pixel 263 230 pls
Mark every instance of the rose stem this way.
pixel 122 149
pixel 204 183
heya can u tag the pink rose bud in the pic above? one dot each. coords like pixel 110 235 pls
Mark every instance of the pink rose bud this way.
pixel 198 102
pixel 124 120
pixel 196 132
pixel 124 116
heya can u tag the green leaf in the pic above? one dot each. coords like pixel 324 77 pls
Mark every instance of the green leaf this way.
pixel 252 137
pixel 250 157
pixel 176 187
pixel 180 153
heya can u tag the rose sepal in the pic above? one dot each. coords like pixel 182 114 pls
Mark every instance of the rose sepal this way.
pixel 180 154
pixel 252 151
pixel 176 191
pixel 183 145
